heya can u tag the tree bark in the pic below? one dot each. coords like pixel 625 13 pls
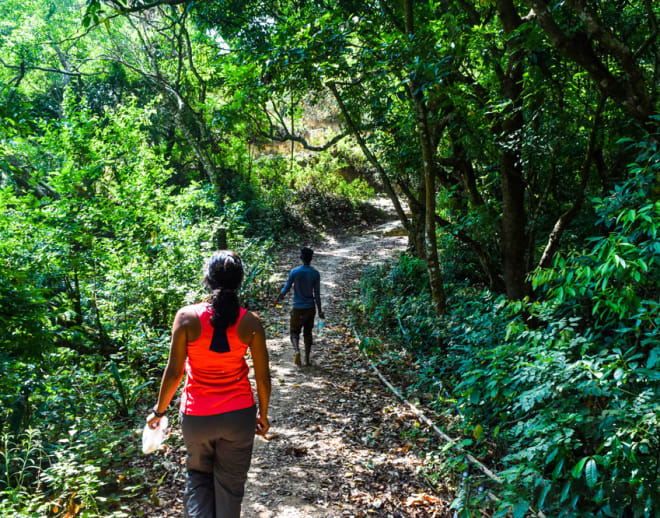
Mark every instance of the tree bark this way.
pixel 416 241
pixel 514 218
pixel 428 152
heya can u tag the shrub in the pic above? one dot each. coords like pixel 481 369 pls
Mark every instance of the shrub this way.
pixel 563 390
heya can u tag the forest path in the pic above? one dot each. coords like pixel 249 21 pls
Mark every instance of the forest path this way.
pixel 341 445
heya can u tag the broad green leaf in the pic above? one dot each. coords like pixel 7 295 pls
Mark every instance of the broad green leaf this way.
pixel 520 509
pixel 653 358
pixel 557 471
pixel 591 473
pixel 577 469
pixel 544 493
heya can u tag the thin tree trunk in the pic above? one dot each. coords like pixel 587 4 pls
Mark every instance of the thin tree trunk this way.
pixel 423 131
pixel 372 159
pixel 568 216
pixel 293 132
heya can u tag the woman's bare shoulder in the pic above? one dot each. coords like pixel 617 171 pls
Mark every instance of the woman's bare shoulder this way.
pixel 187 315
pixel 249 325
pixel 251 319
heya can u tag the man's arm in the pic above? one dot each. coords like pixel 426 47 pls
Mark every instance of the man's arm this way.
pixel 316 289
pixel 287 287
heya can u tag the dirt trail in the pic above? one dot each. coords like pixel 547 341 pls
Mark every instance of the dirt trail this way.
pixel 342 445
pixel 339 447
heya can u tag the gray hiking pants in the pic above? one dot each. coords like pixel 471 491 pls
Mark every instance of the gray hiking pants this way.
pixel 219 451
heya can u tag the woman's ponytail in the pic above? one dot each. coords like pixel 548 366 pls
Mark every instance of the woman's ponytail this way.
pixel 223 275
pixel 225 308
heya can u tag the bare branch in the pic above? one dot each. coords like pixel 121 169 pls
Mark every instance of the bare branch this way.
pixel 202 94
pixel 48 69
pixel 143 6
pixel 301 140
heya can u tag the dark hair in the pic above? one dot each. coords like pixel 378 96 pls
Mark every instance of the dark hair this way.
pixel 223 274
pixel 306 254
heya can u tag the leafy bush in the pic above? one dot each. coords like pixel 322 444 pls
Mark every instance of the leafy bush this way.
pixel 314 193
pixel 91 277
pixel 395 299
pixel 591 379
pixel 561 392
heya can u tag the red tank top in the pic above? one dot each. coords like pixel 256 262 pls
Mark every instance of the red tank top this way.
pixel 216 370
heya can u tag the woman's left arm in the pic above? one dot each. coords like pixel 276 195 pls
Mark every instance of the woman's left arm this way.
pixel 175 363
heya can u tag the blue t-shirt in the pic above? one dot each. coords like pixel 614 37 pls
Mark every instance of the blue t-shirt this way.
pixel 306 287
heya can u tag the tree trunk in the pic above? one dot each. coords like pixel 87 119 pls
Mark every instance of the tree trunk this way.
pixel 416 240
pixel 200 152
pixel 425 139
pixel 514 217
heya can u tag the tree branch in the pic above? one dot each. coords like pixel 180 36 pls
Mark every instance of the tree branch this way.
pixel 566 218
pixel 23 68
pixel 629 91
pixel 301 140
pixel 370 156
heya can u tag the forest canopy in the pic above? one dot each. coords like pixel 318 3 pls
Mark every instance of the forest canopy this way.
pixel 517 142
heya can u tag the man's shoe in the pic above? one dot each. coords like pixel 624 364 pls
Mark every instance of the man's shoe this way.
pixel 296 359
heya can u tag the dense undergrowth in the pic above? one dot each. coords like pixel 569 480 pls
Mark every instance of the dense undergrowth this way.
pixel 558 394
pixel 97 254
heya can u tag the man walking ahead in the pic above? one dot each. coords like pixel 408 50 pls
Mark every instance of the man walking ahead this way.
pixel 306 283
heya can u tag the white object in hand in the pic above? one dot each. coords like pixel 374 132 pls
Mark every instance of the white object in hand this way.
pixel 152 438
pixel 320 325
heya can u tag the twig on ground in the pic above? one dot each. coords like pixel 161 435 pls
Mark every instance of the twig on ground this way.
pixel 453 442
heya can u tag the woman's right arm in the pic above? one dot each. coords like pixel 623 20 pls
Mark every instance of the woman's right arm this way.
pixel 175 362
pixel 257 343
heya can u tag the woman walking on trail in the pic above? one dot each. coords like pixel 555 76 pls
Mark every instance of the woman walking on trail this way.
pixel 218 413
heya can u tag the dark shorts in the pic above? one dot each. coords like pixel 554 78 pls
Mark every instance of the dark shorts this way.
pixel 302 319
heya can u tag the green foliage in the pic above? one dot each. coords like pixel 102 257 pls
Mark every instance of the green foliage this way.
pixel 564 389
pixel 310 193
pixel 125 396
pixel 395 301
pixel 125 147
pixel 21 462
pixel 97 254
pixel 593 407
